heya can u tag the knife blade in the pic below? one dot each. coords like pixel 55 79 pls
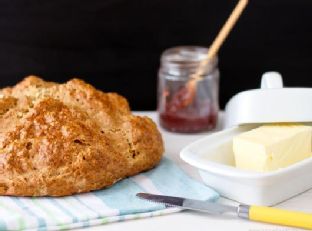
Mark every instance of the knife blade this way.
pixel 204 206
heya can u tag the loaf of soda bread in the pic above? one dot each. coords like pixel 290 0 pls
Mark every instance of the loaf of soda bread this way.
pixel 61 139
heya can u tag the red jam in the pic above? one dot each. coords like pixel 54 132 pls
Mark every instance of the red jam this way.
pixel 197 117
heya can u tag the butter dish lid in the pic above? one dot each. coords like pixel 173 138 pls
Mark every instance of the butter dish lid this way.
pixel 272 103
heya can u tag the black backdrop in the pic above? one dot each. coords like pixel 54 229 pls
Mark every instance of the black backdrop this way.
pixel 116 44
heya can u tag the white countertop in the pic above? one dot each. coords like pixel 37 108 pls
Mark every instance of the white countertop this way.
pixel 189 220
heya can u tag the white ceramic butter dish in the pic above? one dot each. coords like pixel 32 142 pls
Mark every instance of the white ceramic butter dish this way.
pixel 214 158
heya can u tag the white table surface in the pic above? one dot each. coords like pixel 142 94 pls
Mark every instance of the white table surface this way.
pixel 189 220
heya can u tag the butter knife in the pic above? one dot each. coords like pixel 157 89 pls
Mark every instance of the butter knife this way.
pixel 250 212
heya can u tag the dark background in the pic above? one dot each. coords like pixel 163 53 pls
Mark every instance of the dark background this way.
pixel 116 44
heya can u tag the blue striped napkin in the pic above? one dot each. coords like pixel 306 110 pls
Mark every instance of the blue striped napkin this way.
pixel 116 203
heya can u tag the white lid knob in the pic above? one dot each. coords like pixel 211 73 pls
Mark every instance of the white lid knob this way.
pixel 271 79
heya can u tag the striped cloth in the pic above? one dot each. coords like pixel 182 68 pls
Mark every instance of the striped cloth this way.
pixel 116 203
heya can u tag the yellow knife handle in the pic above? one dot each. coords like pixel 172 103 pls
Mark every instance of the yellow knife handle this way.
pixel 280 217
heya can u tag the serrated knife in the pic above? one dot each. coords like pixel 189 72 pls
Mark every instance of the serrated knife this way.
pixel 251 212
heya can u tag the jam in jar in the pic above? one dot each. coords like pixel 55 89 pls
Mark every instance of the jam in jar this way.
pixel 178 66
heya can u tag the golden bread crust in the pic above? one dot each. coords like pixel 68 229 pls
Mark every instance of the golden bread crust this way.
pixel 61 139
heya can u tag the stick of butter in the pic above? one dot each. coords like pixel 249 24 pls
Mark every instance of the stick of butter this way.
pixel 271 147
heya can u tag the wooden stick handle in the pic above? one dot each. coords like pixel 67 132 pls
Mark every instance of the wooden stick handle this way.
pixel 223 33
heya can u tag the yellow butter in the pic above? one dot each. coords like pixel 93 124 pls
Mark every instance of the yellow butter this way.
pixel 272 147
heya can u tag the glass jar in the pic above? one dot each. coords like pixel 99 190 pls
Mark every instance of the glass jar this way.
pixel 178 66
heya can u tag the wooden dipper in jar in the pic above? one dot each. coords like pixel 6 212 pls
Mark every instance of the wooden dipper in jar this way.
pixel 185 95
